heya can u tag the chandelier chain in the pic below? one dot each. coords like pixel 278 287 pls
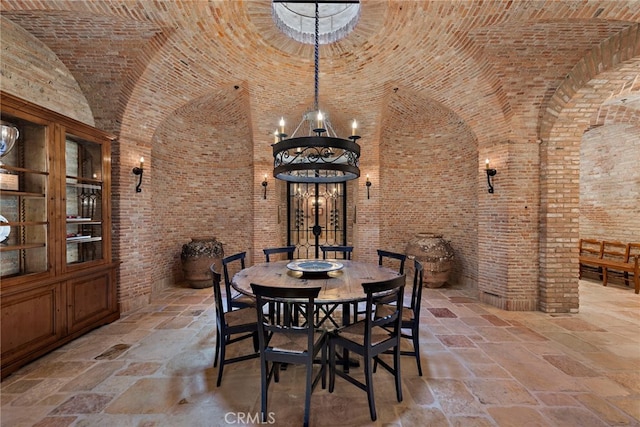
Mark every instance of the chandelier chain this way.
pixel 316 58
pixel 318 157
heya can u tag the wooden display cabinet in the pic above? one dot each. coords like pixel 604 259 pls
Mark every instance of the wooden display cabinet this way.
pixel 57 275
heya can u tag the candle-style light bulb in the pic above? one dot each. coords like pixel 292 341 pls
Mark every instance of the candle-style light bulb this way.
pixel 281 124
pixel 354 127
pixel 141 162
pixel 320 118
pixel 486 162
pixel 275 136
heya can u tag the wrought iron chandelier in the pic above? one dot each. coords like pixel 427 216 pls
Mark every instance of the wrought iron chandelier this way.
pixel 320 155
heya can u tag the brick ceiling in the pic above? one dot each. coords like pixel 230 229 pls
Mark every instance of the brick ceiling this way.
pixel 493 62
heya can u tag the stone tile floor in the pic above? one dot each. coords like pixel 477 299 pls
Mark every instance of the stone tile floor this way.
pixel 482 367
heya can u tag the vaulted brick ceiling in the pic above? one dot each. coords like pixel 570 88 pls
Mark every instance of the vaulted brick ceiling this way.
pixel 486 61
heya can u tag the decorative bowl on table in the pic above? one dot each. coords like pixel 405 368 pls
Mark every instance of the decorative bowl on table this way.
pixel 314 266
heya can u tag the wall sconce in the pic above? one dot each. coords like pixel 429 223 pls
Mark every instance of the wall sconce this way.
pixel 368 184
pixel 490 173
pixel 139 171
pixel 264 186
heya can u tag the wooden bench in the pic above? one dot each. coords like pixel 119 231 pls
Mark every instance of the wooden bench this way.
pixel 590 256
pixel 612 256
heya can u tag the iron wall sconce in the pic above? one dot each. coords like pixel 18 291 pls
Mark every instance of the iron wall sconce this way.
pixel 139 171
pixel 490 174
pixel 368 184
pixel 264 186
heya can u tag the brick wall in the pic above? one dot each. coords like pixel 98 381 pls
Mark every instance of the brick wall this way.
pixel 610 182
pixel 202 182
pixel 428 180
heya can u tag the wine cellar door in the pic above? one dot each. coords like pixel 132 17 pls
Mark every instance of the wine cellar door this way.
pixel 316 217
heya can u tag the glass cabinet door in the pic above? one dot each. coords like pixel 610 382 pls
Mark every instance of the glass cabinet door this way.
pixel 24 180
pixel 84 186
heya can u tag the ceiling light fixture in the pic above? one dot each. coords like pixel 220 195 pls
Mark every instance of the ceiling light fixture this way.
pixel 320 155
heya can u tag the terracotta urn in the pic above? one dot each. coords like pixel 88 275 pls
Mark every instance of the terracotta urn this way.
pixel 197 257
pixel 435 254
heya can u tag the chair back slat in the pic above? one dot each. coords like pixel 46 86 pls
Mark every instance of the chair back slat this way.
pixel 416 293
pixel 288 250
pixel 217 294
pixel 346 251
pixel 300 296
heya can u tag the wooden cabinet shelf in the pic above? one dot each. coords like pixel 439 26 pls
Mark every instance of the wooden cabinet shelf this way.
pixel 83 239
pixel 21 247
pixel 9 193
pixel 19 169
pixel 57 275
pixel 22 223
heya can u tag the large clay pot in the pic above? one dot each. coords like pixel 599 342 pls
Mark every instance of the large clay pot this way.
pixel 197 256
pixel 435 254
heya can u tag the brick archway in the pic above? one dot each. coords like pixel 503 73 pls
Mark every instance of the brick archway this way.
pixel 572 110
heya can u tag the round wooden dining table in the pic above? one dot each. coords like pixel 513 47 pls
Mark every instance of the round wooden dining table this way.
pixel 338 288
pixel 343 285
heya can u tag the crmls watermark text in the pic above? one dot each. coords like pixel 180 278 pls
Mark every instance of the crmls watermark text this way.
pixel 246 418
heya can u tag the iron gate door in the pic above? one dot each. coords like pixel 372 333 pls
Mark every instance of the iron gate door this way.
pixel 316 216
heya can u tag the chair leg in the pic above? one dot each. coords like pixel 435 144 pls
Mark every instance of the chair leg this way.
pixel 307 398
pixel 276 366
pixel 368 376
pixel 216 353
pixel 264 385
pixel 626 278
pixel 332 366
pixel 323 365
pixel 256 342
pixel 416 349
pixel 221 355
pixel 396 368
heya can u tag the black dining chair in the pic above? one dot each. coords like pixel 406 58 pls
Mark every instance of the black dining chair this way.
pixel 325 312
pixel 282 342
pixel 410 315
pixel 275 308
pixel 232 326
pixel 288 250
pixel 231 265
pixel 371 337
pixel 345 251
pixel 387 258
